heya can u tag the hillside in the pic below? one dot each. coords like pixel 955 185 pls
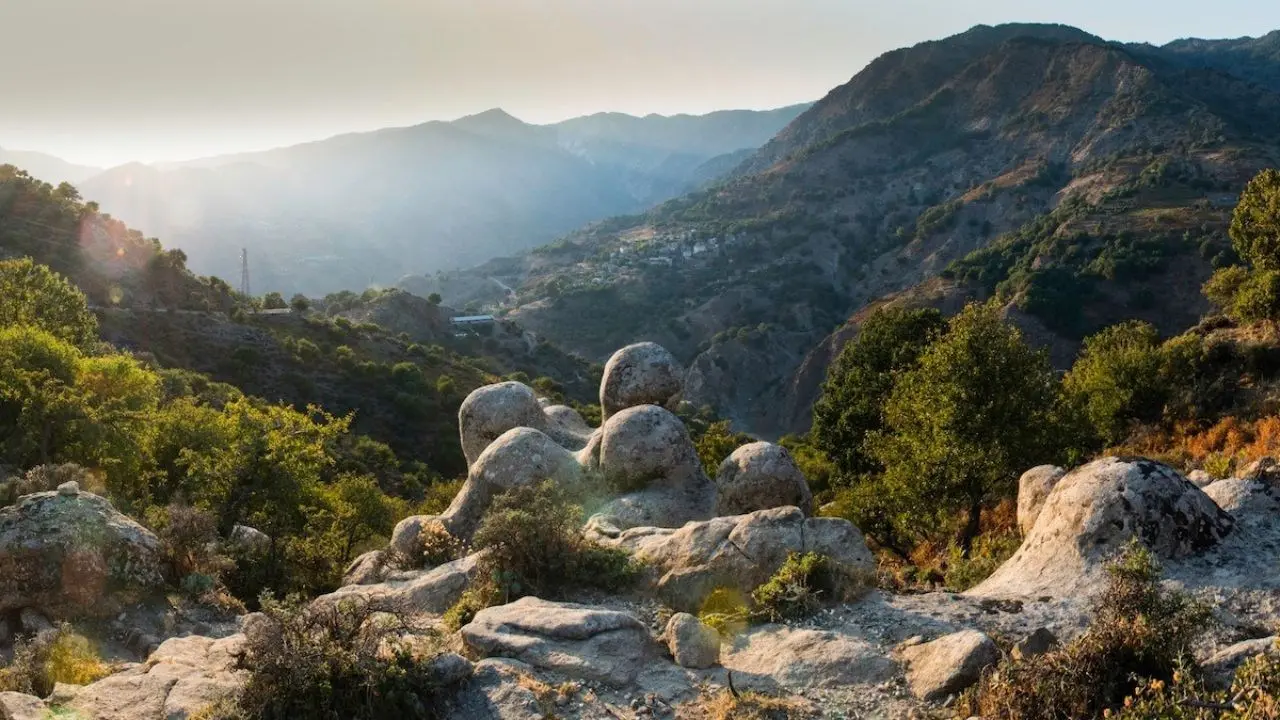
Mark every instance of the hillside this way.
pixel 364 209
pixel 1083 181
pixel 47 168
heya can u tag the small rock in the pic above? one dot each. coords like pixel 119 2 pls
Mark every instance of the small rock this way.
pixel 249 539
pixel 1200 478
pixel 33 621
pixel 19 706
pixel 693 643
pixel 948 665
pixel 1037 643
pixel 449 668
pixel 70 488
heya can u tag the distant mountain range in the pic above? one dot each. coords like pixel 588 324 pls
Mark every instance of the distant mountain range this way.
pixel 1081 181
pixel 367 208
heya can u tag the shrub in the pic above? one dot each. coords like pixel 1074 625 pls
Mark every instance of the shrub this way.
pixel 58 655
pixel 1140 633
pixel 1254 695
pixel 726 610
pixel 43 478
pixel 438 546
pixel 352 660
pixel 800 587
pixel 188 544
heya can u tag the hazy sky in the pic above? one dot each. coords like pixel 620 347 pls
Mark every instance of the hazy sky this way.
pixel 107 81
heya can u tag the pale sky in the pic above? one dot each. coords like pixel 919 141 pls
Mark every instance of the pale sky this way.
pixel 108 81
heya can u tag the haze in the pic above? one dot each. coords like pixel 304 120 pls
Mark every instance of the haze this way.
pixel 103 82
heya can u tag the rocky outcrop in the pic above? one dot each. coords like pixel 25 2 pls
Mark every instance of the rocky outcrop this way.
pixel 1033 488
pixel 948 665
pixel 640 374
pixel 182 677
pixel 693 644
pixel 17 706
pixel 773 657
pixel 490 411
pixel 69 553
pixel 420 591
pixel 1094 511
pixel 739 552
pixel 575 641
pixel 759 476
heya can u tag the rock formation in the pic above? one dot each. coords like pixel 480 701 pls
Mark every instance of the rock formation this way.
pixel 759 476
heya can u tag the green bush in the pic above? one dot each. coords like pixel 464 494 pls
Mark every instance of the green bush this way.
pixel 801 586
pixel 352 661
pixel 1140 632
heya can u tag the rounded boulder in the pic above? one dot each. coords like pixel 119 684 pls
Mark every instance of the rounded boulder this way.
pixel 1033 488
pixel 760 476
pixel 490 411
pixel 640 374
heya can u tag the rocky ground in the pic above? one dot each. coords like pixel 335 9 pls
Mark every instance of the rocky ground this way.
pixel 641 655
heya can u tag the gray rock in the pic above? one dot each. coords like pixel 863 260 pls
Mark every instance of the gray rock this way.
pixel 645 453
pixel 19 706
pixel 449 668
pixel 1039 642
pixel 740 552
pixel 33 621
pixel 1200 478
pixel 1220 668
pixel 406 538
pixel 692 642
pixel 1092 513
pixel 640 374
pixel 520 456
pixel 73 555
pixel 423 591
pixel 1033 488
pixel 575 641
pixel 566 426
pixel 1242 497
pixel 777 657
pixel 70 488
pixel 367 569
pixel 249 540
pixel 759 476
pixel 494 692
pixel 1264 470
pixel 490 411
pixel 948 665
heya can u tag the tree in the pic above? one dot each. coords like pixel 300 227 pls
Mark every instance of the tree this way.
pixel 435 299
pixel 977 410
pixel 36 296
pixel 717 443
pixel 1117 379
pixel 299 303
pixel 1255 225
pixel 273 301
pixel 859 382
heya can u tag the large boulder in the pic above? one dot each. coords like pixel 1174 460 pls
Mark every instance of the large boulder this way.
pixel 575 641
pixel 740 552
pixel 520 456
pixel 948 665
pixel 1033 488
pixel 759 476
pixel 1245 499
pixel 490 411
pixel 1093 512
pixel 72 553
pixel 646 454
pixel 19 706
pixel 778 657
pixel 422 591
pixel 640 374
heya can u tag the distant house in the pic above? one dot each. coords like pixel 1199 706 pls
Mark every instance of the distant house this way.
pixel 466 320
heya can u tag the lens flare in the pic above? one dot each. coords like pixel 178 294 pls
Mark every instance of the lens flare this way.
pixel 115 294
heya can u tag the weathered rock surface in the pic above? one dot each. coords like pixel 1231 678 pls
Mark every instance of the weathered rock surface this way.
pixel 1093 512
pixel 576 641
pixel 490 411
pixel 773 657
pixel 494 692
pixel 1039 642
pixel 520 456
pixel 1264 470
pixel 1245 498
pixel 18 706
pixel 406 538
pixel 948 665
pixel 645 452
pixel 421 591
pixel 759 476
pixel 1221 667
pixel 248 539
pixel 1033 488
pixel 368 568
pixel 182 677
pixel 70 555
pixel 693 643
pixel 640 374
pixel 739 552
pixel 1200 478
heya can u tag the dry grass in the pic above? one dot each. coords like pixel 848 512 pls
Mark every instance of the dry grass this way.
pixel 746 705
pixel 1226 447
pixel 549 696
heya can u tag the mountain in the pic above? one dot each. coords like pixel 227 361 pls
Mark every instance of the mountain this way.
pixel 1081 181
pixel 367 208
pixel 47 167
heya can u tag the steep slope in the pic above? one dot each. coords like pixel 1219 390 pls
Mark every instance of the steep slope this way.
pixel 1097 180
pixel 367 208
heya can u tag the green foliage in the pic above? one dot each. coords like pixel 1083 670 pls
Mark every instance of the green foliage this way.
pixel 717 443
pixel 988 553
pixel 1140 632
pixel 1118 379
pixel 35 296
pixel 273 301
pixel 963 424
pixel 57 655
pixel 859 383
pixel 1255 225
pixel 353 661
pixel 800 587
pixel 1254 695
